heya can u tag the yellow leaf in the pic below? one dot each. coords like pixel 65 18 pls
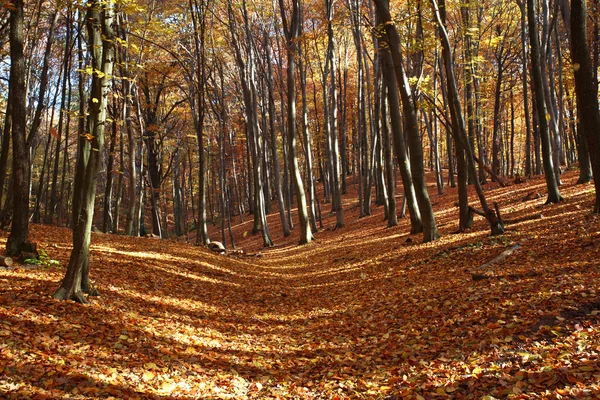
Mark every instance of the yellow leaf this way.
pixel 168 387
pixel 148 376
pixel 94 100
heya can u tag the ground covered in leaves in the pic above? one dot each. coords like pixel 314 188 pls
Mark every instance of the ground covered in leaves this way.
pixel 363 312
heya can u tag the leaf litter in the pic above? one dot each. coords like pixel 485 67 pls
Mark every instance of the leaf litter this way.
pixel 360 313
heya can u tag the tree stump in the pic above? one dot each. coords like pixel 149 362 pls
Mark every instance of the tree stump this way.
pixel 6 261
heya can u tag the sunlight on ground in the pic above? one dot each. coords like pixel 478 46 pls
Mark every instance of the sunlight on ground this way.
pixel 360 313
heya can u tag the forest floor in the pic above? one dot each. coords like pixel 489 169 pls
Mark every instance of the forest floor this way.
pixel 362 312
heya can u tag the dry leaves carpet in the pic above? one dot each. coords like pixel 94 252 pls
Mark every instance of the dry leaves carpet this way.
pixel 360 313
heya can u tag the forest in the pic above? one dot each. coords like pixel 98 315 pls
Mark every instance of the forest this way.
pixel 299 199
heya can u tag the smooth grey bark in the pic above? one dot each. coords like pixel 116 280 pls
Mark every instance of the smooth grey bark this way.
pixel 291 31
pixel 525 73
pixel 54 196
pixel 496 135
pixel 537 66
pixel 107 211
pixel 586 89
pixel 390 180
pixel 458 124
pixel 312 211
pixel 198 104
pixel 247 72
pixel 330 117
pixel 430 231
pixel 416 224
pixel 274 154
pixel 99 20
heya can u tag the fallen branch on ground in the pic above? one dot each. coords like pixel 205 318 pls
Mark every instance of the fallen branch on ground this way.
pixel 505 254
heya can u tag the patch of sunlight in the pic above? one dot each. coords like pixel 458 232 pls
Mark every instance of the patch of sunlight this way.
pixel 178 272
pixel 317 251
pixel 167 257
pixel 292 317
pixel 185 304
pixel 136 254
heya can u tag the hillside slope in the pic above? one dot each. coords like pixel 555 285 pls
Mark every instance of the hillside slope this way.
pixel 363 312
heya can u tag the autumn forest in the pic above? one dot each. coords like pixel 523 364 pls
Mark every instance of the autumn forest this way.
pixel 299 199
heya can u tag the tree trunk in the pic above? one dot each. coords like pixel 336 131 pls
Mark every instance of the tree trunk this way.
pixel 416 224
pixel 291 33
pixel 458 124
pixel 586 88
pixel 101 42
pixel 537 64
pixel 198 19
pixel 19 232
pixel 274 155
pixel 430 231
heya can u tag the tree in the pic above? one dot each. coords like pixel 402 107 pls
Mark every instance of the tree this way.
pixel 18 239
pixel 291 29
pixel 586 88
pixel 537 66
pixel 101 42
pixel 430 231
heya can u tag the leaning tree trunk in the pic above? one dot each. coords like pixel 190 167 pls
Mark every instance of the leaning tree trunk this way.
pixel 101 37
pixel 587 89
pixel 19 232
pixel 458 123
pixel 416 224
pixel 392 37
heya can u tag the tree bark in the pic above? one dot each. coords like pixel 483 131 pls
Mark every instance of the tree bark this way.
pixel 586 89
pixel 538 88
pixel 291 33
pixel 99 20
pixel 20 173
pixel 430 231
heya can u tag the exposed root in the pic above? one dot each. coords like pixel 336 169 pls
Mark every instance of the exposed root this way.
pixel 78 297
pixel 63 294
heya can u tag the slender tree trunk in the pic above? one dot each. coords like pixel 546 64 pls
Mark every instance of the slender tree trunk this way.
pixel 312 211
pixel 586 88
pixel 416 225
pixel 107 214
pixel 527 117
pixel 274 155
pixel 19 232
pixel 430 231
pixel 198 19
pixel 537 64
pixel 330 117
pixel 460 133
pixel 291 32
pixel 101 37
pixel 390 181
